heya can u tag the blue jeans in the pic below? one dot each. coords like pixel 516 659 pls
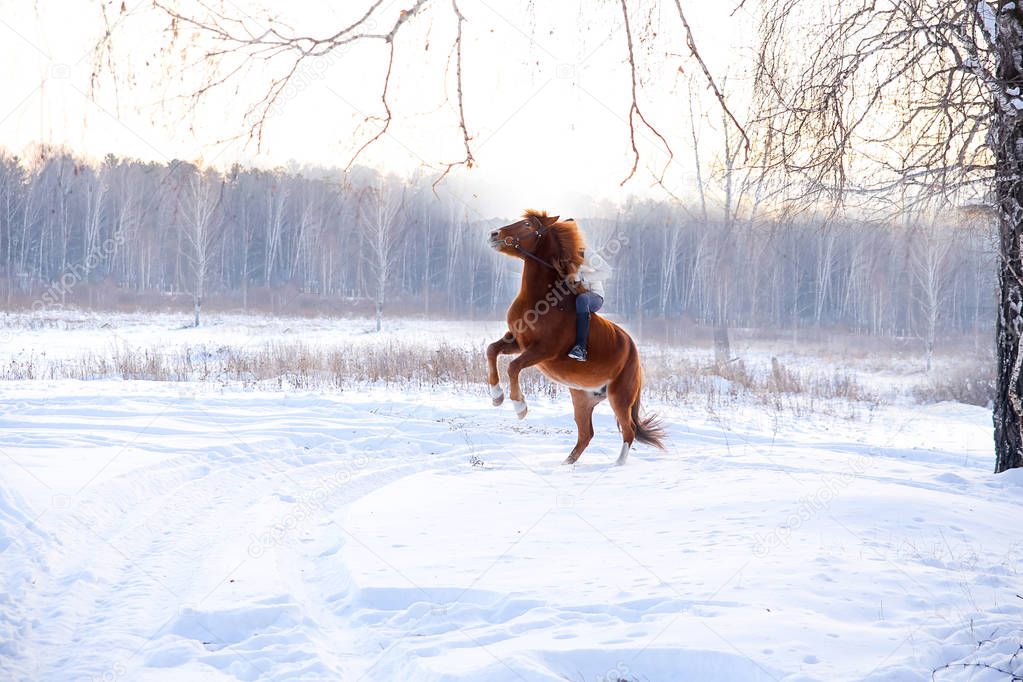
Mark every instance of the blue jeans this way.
pixel 585 304
pixel 588 302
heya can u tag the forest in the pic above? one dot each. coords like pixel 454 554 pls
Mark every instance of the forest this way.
pixel 128 233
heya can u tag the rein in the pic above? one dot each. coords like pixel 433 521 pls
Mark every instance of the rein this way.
pixel 515 244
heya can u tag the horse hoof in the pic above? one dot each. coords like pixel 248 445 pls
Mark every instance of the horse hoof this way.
pixel 520 408
pixel 568 460
pixel 497 400
pixel 496 394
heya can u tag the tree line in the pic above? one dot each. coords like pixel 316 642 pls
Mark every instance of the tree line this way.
pixel 365 242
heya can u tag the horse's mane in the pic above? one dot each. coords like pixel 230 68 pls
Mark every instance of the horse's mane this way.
pixel 567 239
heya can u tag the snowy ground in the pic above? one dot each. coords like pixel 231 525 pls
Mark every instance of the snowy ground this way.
pixel 63 334
pixel 162 531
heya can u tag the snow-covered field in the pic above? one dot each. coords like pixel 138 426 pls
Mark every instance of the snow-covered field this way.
pixel 67 334
pixel 188 531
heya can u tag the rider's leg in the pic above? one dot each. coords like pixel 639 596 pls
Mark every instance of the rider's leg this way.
pixel 582 319
pixel 584 303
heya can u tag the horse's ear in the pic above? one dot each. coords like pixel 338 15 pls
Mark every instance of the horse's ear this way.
pixel 549 222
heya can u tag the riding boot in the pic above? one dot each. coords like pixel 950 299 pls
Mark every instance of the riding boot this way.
pixel 582 333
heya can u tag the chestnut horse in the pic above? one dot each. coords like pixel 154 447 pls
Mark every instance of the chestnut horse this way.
pixel 541 323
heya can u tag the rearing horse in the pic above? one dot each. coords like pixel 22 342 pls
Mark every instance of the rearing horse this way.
pixel 541 323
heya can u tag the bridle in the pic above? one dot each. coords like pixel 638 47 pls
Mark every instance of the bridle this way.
pixel 516 244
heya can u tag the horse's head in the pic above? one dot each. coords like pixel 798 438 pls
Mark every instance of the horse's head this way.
pixel 522 235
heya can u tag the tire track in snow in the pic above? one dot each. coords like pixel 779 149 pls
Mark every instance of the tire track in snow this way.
pixel 181 512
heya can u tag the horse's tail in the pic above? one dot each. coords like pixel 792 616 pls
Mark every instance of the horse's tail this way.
pixel 648 429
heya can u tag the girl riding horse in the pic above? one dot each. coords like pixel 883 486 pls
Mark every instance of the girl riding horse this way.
pixel 540 330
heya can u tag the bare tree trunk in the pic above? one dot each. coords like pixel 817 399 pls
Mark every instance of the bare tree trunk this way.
pixel 1007 144
pixel 202 230
pixel 381 292
pixel 724 272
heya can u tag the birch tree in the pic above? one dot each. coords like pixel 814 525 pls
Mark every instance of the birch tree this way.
pixel 933 272
pixel 382 231
pixel 200 227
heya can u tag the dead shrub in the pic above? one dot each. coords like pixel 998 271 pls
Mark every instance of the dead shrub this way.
pixel 973 384
pixel 782 379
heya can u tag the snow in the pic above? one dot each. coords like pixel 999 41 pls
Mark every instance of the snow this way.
pixel 65 334
pixel 987 15
pixel 167 531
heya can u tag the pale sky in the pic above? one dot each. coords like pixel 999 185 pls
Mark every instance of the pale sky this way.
pixel 546 90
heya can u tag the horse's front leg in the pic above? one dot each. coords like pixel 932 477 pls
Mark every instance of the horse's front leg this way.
pixel 504 345
pixel 529 357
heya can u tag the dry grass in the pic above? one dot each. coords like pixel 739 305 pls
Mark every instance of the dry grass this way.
pixel 668 377
pixel 290 365
pixel 972 383
pixel 674 379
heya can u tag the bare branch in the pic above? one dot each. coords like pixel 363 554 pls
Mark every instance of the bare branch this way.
pixel 635 111
pixel 387 109
pixel 468 161
pixel 711 83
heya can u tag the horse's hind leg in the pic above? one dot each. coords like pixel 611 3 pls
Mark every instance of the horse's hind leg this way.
pixel 584 402
pixel 506 344
pixel 622 393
